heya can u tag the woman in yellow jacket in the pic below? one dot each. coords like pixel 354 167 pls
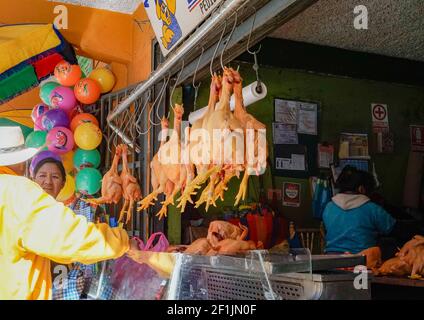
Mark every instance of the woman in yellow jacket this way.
pixel 35 228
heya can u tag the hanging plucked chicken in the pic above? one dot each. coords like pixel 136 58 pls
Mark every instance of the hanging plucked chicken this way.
pixel 131 190
pixel 111 183
pixel 167 171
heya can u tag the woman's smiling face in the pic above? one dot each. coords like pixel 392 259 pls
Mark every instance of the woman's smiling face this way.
pixel 50 178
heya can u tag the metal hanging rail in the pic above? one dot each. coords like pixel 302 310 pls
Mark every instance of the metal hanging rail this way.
pixel 270 15
pixel 227 9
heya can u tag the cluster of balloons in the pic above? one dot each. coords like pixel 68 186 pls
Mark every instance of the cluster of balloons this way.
pixel 65 133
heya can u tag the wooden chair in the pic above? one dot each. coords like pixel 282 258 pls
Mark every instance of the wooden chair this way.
pixel 313 239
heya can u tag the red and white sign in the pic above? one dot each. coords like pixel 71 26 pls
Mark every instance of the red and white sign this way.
pixel 380 117
pixel 417 138
pixel 291 194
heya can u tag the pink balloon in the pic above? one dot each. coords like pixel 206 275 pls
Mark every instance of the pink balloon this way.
pixel 38 111
pixel 37 125
pixel 63 98
pixel 60 140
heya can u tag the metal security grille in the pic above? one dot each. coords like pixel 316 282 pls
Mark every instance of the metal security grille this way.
pixel 199 283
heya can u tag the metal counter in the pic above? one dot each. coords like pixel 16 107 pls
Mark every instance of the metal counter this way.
pixel 241 278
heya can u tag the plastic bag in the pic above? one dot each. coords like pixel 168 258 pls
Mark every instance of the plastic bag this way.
pixel 133 281
pixel 322 196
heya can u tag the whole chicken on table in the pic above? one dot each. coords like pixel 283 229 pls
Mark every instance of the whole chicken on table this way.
pixel 409 261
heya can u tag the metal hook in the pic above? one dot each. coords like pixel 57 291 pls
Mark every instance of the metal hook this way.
pixel 160 96
pixel 197 67
pixel 127 119
pixel 139 130
pixel 173 89
pixel 132 125
pixel 196 87
pixel 255 55
pixel 217 47
pixel 229 38
pixel 108 139
pixel 250 36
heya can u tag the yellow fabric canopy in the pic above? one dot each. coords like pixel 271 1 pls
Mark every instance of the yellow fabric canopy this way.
pixel 22 117
pixel 18 43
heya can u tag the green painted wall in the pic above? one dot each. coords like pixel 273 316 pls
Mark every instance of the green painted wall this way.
pixel 345 106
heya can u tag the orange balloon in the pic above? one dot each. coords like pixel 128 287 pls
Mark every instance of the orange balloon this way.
pixel 67 74
pixel 87 91
pixel 83 118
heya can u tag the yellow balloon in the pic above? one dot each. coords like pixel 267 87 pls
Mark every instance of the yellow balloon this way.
pixel 88 136
pixel 68 190
pixel 68 161
pixel 104 77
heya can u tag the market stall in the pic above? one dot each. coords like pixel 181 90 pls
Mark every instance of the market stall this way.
pixel 303 147
pixel 245 214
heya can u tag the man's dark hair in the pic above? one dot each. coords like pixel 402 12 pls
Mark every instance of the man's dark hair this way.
pixel 349 180
pixel 59 165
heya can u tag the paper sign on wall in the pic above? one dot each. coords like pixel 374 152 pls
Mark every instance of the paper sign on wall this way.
pixel 380 117
pixel 308 118
pixel 297 162
pixel 173 20
pixel 325 155
pixel 291 194
pixel 286 111
pixel 417 138
pixel 284 133
pixel 353 146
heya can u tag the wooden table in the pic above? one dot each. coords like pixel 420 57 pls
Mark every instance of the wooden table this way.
pixel 392 288
pixel 394 281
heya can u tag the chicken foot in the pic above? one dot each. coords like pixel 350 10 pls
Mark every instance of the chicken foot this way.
pixel 243 189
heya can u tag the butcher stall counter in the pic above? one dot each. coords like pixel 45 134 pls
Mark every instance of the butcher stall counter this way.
pixel 263 276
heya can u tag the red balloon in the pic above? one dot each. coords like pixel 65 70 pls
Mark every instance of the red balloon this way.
pixel 87 91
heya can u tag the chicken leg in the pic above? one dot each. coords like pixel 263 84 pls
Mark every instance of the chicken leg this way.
pixel 130 187
pixel 111 183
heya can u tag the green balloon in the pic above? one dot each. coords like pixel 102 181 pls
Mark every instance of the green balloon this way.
pixel 86 159
pixel 88 181
pixel 45 91
pixel 36 139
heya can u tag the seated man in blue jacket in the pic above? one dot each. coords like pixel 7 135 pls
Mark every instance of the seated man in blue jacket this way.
pixel 353 223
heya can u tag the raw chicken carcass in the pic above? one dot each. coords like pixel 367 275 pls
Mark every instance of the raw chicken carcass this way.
pixel 198 156
pixel 231 246
pixel 415 258
pixel 177 249
pixel 256 161
pixel 416 241
pixel 131 190
pixel 373 256
pixel 111 183
pixel 200 246
pixel 226 140
pixel 394 267
pixel 222 230
pixel 168 172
